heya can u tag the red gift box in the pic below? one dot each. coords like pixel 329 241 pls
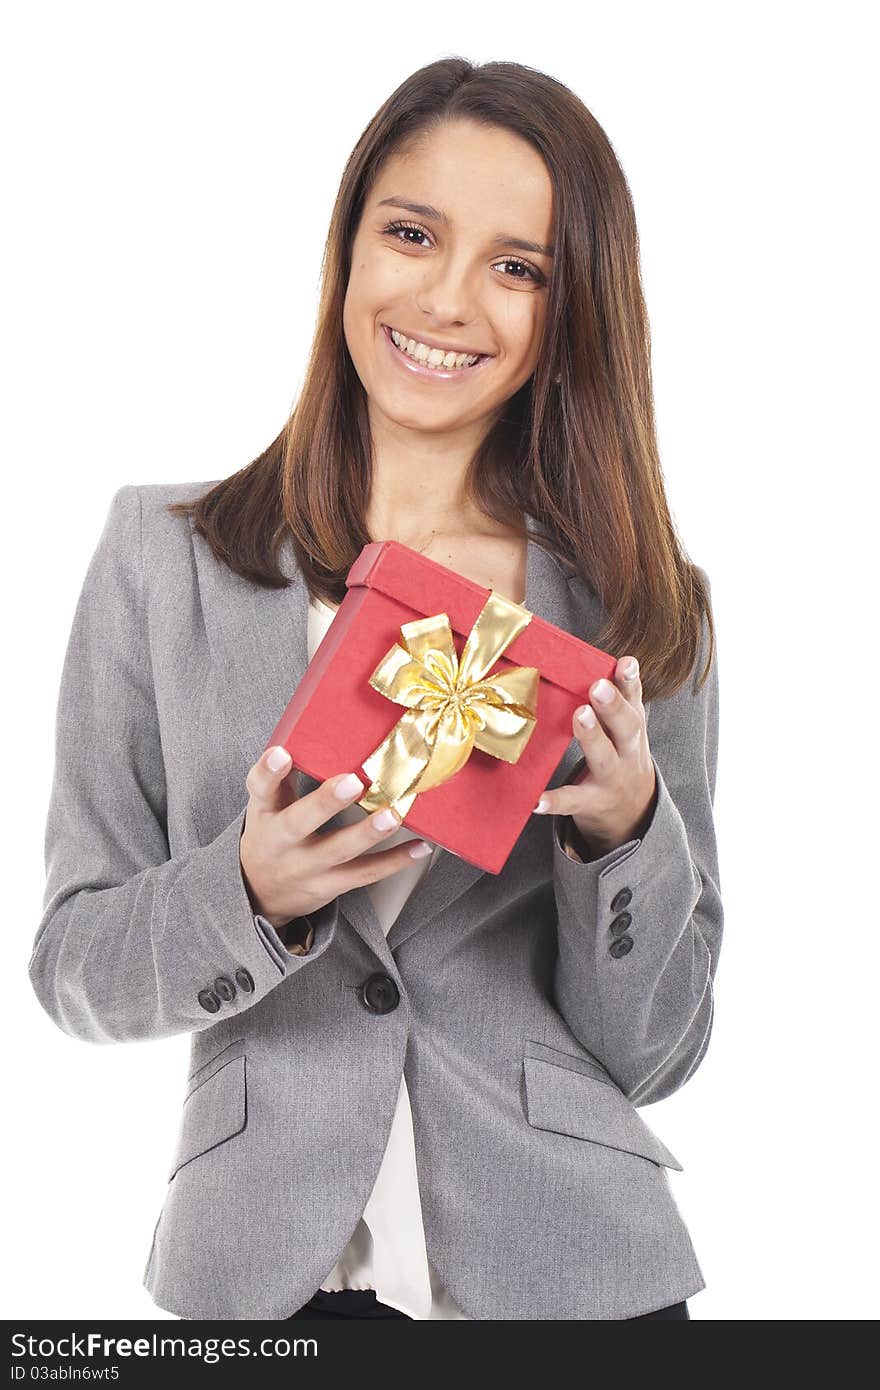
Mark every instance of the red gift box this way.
pixel 336 719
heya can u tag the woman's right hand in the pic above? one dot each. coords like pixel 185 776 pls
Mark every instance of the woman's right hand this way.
pixel 289 870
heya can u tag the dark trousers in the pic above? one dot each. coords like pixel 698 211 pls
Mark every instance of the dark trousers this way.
pixel 363 1303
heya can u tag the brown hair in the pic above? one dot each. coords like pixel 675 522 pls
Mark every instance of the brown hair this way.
pixel 580 455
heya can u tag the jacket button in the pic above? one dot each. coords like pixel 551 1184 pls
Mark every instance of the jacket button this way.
pixel 245 980
pixel 621 899
pixel 224 988
pixel 621 946
pixel 380 993
pixel 209 1000
pixel 618 927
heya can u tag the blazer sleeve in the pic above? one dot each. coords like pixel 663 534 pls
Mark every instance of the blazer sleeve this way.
pixel 130 938
pixel 639 929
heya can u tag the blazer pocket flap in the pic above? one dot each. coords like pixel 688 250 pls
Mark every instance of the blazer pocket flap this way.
pixel 214 1110
pixel 587 1106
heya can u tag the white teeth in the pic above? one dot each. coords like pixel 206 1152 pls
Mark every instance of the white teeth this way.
pixel 432 357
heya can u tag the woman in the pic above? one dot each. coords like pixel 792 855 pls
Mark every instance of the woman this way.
pixel 413 1085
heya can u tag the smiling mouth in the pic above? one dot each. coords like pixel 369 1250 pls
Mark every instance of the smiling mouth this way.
pixel 434 359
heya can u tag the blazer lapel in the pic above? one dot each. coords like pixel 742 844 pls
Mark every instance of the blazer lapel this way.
pixel 259 639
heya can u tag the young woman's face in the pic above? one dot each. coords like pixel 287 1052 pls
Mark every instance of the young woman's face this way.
pixel 451 273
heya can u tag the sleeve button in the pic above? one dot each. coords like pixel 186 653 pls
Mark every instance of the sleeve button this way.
pixel 224 988
pixel 208 1000
pixel 245 980
pixel 620 923
pixel 621 899
pixel 621 946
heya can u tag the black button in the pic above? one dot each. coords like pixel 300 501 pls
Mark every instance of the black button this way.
pixel 618 926
pixel 224 987
pixel 621 946
pixel 380 993
pixel 621 899
pixel 209 1000
pixel 245 980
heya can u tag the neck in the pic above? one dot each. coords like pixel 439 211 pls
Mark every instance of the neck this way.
pixel 418 482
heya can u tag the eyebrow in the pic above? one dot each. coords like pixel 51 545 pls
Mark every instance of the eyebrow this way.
pixel 435 215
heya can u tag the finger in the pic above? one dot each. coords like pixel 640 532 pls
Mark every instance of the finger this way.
pixel 265 780
pixel 599 751
pixel 621 720
pixel 370 868
pixel 601 758
pixel 628 679
pixel 314 809
pixel 572 799
pixel 339 846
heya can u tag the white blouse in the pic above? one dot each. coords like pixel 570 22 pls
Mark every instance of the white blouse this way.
pixel 387 1250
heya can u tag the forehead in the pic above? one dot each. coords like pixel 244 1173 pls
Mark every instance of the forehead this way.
pixel 485 179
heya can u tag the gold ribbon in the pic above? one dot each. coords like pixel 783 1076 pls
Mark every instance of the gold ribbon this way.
pixel 452 706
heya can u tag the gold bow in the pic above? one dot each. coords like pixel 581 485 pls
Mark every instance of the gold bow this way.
pixel 451 708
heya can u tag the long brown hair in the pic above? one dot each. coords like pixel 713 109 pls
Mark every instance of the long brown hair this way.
pixel 580 454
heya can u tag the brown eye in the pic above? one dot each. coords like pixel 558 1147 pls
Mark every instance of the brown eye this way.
pixel 531 272
pixel 394 227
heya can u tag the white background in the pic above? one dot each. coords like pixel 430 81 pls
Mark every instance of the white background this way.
pixel 168 172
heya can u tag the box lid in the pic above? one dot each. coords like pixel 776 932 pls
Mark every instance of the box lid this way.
pixel 428 587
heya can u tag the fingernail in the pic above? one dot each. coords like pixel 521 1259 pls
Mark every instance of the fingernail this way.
pixel 587 717
pixel 420 849
pixel 347 787
pixel 384 820
pixel 603 691
pixel 277 759
pixel 630 670
pixel 542 806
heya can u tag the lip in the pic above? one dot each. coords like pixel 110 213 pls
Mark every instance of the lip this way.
pixel 431 373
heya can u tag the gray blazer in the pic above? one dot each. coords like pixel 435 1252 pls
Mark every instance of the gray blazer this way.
pixel 527 1037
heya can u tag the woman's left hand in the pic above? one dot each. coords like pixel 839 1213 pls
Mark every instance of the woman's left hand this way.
pixel 614 800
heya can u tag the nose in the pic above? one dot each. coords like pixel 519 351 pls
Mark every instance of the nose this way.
pixel 447 295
